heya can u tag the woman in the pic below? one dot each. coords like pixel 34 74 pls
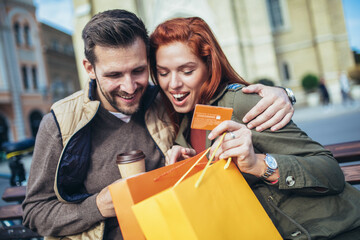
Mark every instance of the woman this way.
pixel 298 182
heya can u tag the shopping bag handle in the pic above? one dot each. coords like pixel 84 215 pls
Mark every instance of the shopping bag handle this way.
pixel 210 160
pixel 178 166
pixel 207 165
pixel 191 168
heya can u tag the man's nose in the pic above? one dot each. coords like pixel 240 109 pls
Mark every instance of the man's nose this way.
pixel 129 85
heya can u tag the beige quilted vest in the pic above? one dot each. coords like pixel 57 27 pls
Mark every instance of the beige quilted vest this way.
pixel 75 111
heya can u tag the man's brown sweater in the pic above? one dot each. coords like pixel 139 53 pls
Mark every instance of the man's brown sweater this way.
pixel 109 137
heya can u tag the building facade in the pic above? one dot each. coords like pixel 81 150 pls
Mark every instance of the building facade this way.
pixel 37 67
pixel 23 82
pixel 280 40
pixel 60 62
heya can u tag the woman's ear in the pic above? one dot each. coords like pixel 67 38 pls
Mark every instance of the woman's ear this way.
pixel 89 68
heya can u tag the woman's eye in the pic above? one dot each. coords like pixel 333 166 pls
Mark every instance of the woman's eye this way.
pixel 188 72
pixel 163 74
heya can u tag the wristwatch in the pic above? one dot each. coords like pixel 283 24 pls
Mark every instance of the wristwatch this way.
pixel 291 95
pixel 271 166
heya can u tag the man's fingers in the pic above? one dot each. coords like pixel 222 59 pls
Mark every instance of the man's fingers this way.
pixel 275 119
pixel 175 154
pixel 282 123
pixel 188 152
pixel 254 88
pixel 259 108
pixel 267 115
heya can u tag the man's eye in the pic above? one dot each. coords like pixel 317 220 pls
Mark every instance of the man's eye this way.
pixel 139 70
pixel 115 75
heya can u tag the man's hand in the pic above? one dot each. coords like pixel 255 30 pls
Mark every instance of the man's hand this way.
pixel 104 202
pixel 273 110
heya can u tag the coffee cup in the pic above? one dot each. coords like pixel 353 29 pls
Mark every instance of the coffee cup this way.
pixel 131 163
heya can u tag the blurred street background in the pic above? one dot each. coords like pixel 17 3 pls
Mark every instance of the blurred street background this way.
pixel 312 47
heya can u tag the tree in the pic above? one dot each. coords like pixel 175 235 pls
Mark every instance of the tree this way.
pixel 265 81
pixel 310 82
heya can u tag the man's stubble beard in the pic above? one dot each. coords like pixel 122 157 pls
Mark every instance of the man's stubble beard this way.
pixel 114 104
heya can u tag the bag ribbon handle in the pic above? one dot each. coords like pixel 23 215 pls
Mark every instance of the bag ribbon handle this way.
pixel 207 165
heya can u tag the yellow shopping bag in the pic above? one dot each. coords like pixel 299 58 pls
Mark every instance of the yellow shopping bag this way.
pixel 223 206
pixel 130 191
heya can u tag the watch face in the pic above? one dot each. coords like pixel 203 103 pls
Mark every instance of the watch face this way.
pixel 271 162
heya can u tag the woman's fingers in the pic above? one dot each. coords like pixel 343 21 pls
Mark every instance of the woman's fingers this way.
pixel 188 152
pixel 233 140
pixel 225 126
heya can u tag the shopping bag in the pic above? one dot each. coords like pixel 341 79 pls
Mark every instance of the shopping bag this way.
pixel 135 189
pixel 223 206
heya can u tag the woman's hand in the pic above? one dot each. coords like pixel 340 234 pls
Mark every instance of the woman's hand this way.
pixel 237 144
pixel 273 111
pixel 178 153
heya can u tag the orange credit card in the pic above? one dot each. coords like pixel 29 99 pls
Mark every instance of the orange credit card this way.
pixel 208 117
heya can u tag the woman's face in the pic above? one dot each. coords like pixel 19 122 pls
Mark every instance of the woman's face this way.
pixel 181 75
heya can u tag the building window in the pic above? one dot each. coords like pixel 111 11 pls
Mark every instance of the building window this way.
pixel 17 32
pixel 286 72
pixel 25 77
pixel 27 35
pixel 35 119
pixel 55 45
pixel 276 14
pixel 69 50
pixel 34 78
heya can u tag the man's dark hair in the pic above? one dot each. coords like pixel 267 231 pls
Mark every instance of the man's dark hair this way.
pixel 113 28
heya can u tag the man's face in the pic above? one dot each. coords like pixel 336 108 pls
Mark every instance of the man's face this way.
pixel 122 76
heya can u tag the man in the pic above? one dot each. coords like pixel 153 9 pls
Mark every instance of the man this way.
pixel 77 143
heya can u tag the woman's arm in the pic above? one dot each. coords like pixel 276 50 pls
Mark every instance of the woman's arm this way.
pixel 303 164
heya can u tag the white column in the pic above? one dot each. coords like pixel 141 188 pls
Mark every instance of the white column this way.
pixel 13 75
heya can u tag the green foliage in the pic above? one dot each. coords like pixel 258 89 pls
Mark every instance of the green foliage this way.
pixel 354 73
pixel 265 81
pixel 310 82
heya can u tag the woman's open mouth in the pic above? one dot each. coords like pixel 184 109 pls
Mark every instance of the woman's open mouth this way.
pixel 180 96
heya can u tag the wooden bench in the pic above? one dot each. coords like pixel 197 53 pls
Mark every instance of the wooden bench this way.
pixel 14 194
pixel 345 152
pixel 14 212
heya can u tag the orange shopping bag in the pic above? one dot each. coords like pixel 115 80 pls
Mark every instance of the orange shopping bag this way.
pixel 223 206
pixel 135 189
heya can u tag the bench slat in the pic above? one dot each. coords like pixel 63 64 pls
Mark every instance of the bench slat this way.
pixel 9 212
pixel 345 152
pixel 352 173
pixel 12 194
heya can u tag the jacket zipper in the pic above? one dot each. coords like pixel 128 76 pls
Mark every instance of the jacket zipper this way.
pixel 271 201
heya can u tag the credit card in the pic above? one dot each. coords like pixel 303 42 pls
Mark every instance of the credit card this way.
pixel 208 117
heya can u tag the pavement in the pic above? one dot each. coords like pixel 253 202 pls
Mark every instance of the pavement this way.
pixel 302 115
pixel 305 114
